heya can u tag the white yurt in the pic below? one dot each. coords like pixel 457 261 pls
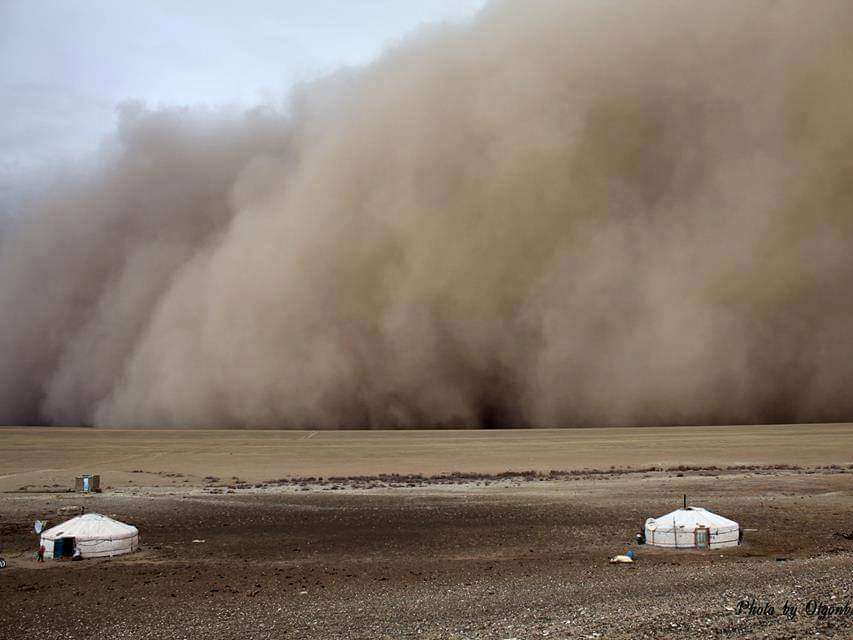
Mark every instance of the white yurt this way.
pixel 692 528
pixel 94 535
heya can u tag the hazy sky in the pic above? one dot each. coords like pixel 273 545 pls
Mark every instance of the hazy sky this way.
pixel 66 64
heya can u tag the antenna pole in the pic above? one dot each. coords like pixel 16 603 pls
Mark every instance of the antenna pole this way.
pixel 685 500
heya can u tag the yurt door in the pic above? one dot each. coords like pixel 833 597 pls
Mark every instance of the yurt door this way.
pixel 701 537
pixel 63 547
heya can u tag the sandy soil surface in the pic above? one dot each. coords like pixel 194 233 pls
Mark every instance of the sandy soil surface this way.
pixel 520 556
pixel 50 458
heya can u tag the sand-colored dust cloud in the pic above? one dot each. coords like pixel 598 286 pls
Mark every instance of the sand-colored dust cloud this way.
pixel 560 213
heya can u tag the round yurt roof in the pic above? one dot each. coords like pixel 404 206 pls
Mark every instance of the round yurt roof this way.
pixel 689 519
pixel 91 526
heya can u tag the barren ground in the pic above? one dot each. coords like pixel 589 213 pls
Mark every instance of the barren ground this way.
pixel 469 555
pixel 43 457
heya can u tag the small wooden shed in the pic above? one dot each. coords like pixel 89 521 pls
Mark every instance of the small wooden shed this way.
pixel 88 483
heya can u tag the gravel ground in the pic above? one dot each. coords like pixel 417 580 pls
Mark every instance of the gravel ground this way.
pixel 515 557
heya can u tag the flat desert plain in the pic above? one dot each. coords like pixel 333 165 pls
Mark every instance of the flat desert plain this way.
pixel 431 534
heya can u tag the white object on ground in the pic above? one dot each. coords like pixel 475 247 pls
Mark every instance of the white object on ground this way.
pixel 621 559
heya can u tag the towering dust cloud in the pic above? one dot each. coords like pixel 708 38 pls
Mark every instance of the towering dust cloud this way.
pixel 561 213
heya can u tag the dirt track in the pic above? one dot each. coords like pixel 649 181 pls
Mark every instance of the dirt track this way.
pixel 517 558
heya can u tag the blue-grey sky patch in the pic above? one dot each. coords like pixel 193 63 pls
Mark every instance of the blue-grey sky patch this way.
pixel 65 65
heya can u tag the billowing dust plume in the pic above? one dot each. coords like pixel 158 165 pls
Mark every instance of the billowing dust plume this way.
pixel 561 213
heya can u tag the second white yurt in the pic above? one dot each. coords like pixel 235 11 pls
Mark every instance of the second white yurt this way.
pixel 94 535
pixel 692 528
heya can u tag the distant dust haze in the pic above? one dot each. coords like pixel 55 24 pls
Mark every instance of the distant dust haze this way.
pixel 559 213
